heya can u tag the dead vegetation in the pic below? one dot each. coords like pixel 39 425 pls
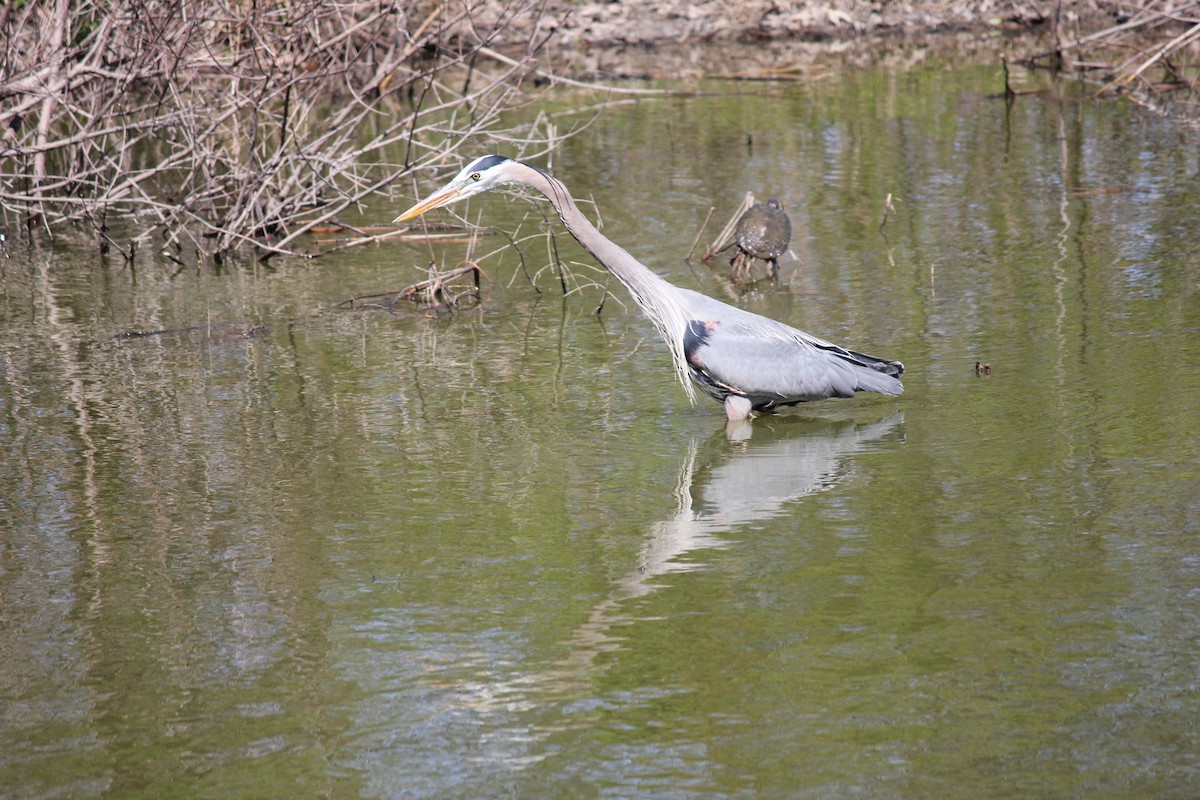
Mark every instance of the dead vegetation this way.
pixel 442 292
pixel 1150 54
pixel 199 128
pixel 724 239
pixel 212 125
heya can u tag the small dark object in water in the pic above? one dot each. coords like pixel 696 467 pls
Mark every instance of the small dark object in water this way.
pixel 982 369
pixel 763 232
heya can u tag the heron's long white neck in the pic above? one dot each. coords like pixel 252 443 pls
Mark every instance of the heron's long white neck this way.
pixel 654 295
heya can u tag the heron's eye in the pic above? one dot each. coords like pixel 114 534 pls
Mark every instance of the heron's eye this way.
pixel 474 176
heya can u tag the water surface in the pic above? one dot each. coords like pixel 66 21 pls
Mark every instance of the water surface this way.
pixel 363 554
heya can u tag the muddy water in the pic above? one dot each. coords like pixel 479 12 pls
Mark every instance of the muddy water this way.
pixel 292 551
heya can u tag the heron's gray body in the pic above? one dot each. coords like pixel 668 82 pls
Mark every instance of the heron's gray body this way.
pixel 731 351
pixel 743 359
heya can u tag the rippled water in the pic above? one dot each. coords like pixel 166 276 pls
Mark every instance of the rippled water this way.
pixel 355 553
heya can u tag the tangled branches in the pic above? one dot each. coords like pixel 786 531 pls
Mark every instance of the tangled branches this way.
pixel 219 123
pixel 1149 55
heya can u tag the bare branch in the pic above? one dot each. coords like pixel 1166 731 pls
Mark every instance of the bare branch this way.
pixel 241 125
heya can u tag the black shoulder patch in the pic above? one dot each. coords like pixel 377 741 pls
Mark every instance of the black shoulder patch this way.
pixel 487 162
pixel 695 337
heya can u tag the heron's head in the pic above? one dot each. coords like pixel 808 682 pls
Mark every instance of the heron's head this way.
pixel 480 175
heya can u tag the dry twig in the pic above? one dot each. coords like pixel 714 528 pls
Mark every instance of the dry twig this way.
pixel 725 237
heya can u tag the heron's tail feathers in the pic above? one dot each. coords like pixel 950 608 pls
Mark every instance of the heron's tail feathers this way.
pixel 893 368
pixel 873 381
pixel 876 374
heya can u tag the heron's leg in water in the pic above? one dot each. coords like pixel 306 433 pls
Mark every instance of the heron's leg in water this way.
pixel 737 407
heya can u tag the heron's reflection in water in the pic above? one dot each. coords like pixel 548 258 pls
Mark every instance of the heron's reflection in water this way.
pixel 724 485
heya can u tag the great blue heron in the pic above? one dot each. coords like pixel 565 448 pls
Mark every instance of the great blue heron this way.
pixel 763 232
pixel 746 361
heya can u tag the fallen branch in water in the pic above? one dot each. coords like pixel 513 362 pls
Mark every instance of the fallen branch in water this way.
pixel 699 233
pixel 440 292
pixel 228 330
pixel 725 237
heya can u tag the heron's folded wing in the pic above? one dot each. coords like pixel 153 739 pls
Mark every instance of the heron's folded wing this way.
pixel 762 365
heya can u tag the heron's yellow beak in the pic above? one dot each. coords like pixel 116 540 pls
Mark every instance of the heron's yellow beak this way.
pixel 433 201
